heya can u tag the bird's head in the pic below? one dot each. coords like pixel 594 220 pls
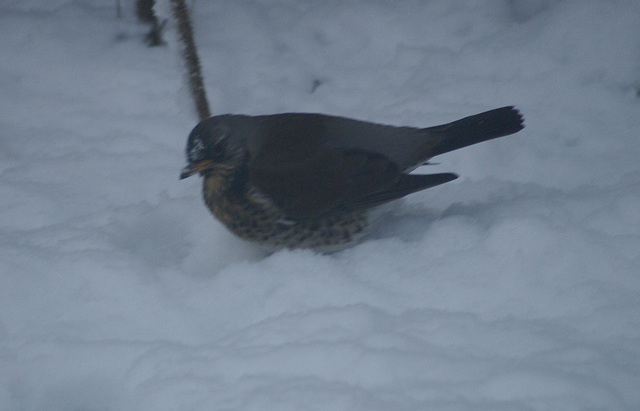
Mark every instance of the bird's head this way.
pixel 213 144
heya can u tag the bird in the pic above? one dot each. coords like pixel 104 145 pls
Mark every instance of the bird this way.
pixel 309 180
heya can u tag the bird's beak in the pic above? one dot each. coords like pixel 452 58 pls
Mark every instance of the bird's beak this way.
pixel 193 168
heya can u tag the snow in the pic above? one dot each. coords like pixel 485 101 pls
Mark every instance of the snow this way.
pixel 515 287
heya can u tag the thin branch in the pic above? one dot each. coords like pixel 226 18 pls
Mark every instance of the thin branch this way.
pixel 192 61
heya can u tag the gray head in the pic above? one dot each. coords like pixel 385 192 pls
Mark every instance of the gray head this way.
pixel 214 142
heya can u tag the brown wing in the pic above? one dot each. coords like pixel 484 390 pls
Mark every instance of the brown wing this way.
pixel 408 183
pixel 320 182
pixel 292 164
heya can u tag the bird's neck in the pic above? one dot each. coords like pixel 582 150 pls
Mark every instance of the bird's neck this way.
pixel 224 180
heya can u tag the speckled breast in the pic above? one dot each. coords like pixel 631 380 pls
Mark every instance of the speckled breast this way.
pixel 255 219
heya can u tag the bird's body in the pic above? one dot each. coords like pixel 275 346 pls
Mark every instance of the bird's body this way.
pixel 298 180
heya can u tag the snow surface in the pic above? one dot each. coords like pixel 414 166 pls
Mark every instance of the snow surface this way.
pixel 516 287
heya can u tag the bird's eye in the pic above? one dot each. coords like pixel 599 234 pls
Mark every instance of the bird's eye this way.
pixel 216 150
pixel 219 135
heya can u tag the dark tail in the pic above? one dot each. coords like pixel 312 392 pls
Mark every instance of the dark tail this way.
pixel 475 129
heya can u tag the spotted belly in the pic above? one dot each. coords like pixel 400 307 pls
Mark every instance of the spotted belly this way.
pixel 259 221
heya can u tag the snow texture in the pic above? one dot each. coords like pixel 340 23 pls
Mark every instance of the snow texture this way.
pixel 516 287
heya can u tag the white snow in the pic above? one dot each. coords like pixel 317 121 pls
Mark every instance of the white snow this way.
pixel 516 287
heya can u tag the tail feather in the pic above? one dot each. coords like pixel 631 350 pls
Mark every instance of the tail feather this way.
pixel 475 129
